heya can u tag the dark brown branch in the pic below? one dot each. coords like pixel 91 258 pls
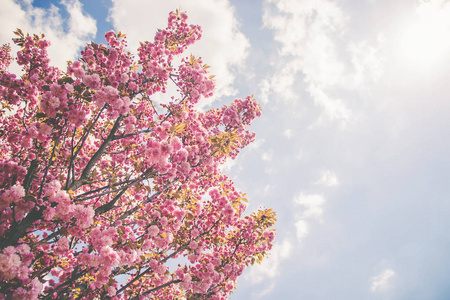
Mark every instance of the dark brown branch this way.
pixel 107 206
pixel 86 134
pixel 29 177
pixel 157 288
pixel 80 145
pixel 46 169
pixel 72 158
pixel 103 187
pixel 132 134
pixel 133 182
pixel 20 229
pixel 134 280
pixel 149 199
pixel 87 170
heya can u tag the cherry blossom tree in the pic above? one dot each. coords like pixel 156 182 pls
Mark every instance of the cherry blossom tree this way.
pixel 106 194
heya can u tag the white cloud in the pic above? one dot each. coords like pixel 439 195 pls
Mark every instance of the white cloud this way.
pixel 306 32
pixel 367 61
pixel 311 209
pixel 334 109
pixel 328 178
pixel 265 291
pixel 223 46
pixel 301 229
pixel 267 189
pixel 312 205
pixel 269 268
pixel 267 156
pixel 288 133
pixel 67 38
pixel 265 87
pixel 281 83
pixel 310 34
pixel 382 281
pixel 300 154
pixel 308 15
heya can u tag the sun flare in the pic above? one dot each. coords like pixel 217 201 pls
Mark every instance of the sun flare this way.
pixel 426 39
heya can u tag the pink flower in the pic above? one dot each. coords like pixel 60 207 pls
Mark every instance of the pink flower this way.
pixel 79 72
pixel 195 233
pixel 179 214
pixel 187 282
pixel 84 259
pixel 62 246
pixel 124 78
pixel 129 128
pixel 109 257
pixel 193 245
pixel 176 143
pixel 84 216
pixel 109 35
pixel 49 213
pixel 14 194
pixel 147 245
pixel 153 230
pixel 92 81
pixel 164 221
pixel 111 291
pixel 22 272
pixel 161 242
pixel 52 187
pixel 54 102
pixel 102 238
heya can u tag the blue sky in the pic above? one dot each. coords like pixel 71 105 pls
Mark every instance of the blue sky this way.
pixel 352 148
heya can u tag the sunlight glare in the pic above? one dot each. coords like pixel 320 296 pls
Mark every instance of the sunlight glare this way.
pixel 426 41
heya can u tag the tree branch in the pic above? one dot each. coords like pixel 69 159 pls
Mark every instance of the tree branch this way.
pixel 157 288
pixel 85 174
pixel 132 134
pixel 29 177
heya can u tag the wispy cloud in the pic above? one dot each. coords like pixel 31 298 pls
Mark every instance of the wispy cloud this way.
pixel 367 61
pixel 301 229
pixel 288 133
pixel 311 204
pixel 314 56
pixel 265 291
pixel 328 178
pixel 267 156
pixel 310 210
pixel 383 281
pixel 305 32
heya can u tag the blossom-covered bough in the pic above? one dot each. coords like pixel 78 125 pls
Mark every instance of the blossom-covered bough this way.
pixel 101 189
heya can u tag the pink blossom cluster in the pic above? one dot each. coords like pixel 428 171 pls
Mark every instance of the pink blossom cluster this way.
pixel 110 96
pixel 156 58
pixel 60 206
pixel 14 263
pixel 34 59
pixel 10 172
pixel 101 188
pixel 193 80
pixel 5 57
pixel 15 197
